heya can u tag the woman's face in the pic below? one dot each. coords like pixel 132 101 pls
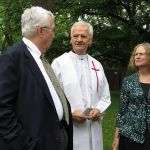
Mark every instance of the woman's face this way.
pixel 141 57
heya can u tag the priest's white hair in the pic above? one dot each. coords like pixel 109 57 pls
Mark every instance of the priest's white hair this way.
pixel 89 26
pixel 33 17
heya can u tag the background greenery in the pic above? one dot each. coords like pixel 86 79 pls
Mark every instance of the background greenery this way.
pixel 109 121
pixel 118 25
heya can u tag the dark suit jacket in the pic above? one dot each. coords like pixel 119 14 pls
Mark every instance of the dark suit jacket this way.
pixel 28 118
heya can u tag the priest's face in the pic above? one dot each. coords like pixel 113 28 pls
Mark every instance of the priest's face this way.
pixel 80 39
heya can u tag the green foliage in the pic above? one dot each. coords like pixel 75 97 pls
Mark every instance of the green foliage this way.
pixel 62 36
pixel 10 15
pixel 118 25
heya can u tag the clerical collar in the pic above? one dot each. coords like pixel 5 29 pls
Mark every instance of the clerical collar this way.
pixel 80 57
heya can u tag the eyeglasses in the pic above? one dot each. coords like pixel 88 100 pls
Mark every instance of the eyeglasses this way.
pixel 49 28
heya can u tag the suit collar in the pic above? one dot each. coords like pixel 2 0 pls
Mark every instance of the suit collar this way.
pixel 29 60
pixel 32 47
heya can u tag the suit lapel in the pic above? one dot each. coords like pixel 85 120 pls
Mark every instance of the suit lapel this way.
pixel 29 60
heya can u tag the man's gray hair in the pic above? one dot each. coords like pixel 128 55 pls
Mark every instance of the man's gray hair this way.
pixel 33 17
pixel 89 26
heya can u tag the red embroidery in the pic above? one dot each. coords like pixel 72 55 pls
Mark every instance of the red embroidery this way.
pixel 95 69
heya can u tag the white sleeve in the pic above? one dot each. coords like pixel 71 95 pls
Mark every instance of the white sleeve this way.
pixel 104 96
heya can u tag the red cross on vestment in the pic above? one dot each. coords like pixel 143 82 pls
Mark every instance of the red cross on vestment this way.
pixel 95 69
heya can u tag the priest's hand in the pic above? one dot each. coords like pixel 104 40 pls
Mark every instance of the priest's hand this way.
pixel 78 116
pixel 95 114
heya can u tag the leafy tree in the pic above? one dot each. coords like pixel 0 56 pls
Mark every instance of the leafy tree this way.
pixel 118 26
pixel 10 14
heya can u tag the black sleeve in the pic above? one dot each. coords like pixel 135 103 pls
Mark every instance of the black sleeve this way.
pixel 10 128
pixel 70 130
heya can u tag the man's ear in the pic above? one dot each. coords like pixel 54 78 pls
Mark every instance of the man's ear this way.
pixel 70 41
pixel 40 31
pixel 90 42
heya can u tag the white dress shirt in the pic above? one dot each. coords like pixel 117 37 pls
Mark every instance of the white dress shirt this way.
pixel 35 52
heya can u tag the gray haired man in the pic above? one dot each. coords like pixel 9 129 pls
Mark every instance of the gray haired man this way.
pixel 32 115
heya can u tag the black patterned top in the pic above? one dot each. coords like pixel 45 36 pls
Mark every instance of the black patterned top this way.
pixel 133 118
pixel 146 87
pixel 146 90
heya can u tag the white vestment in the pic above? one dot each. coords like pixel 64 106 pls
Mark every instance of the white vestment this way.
pixel 85 85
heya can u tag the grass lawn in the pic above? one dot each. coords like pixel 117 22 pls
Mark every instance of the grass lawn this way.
pixel 109 121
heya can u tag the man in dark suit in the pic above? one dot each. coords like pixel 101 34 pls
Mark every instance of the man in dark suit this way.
pixel 32 114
